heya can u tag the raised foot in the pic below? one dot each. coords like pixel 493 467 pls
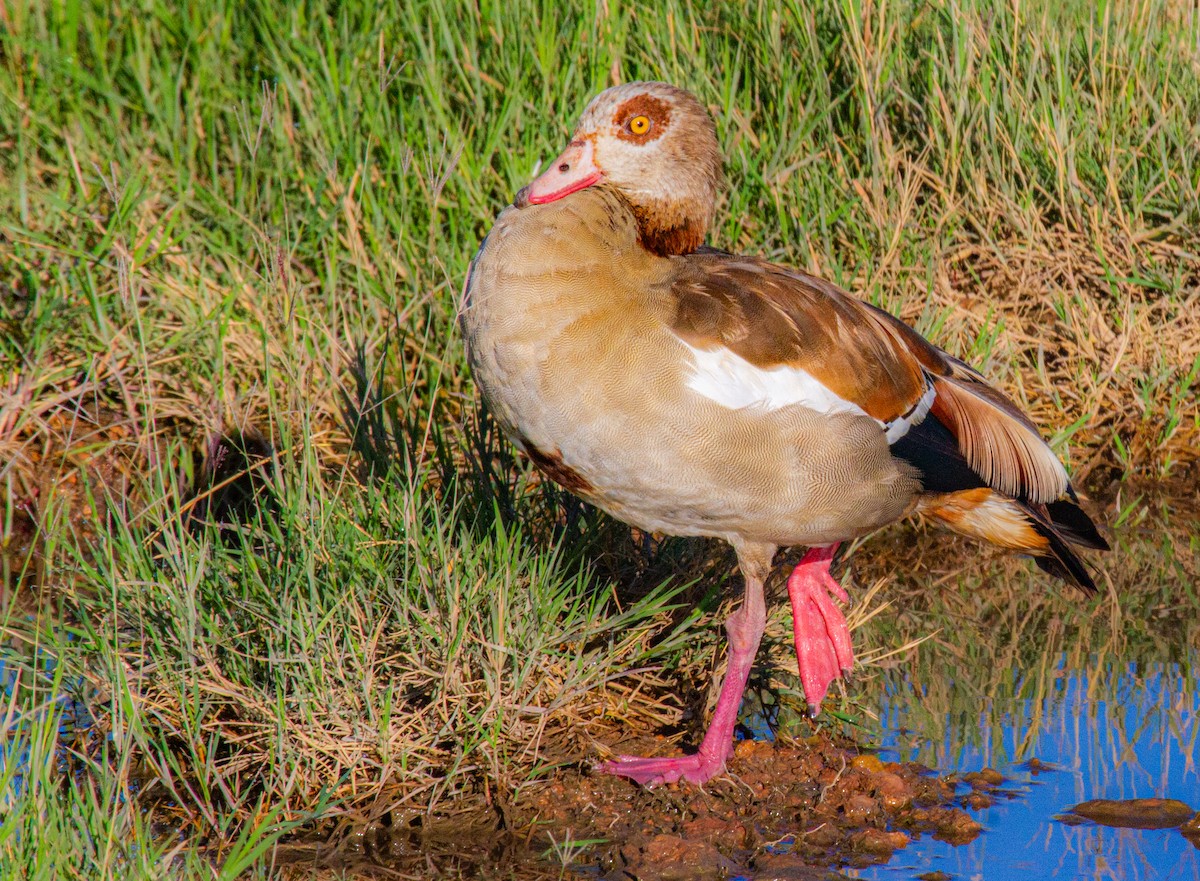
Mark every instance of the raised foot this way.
pixel 656 771
pixel 823 647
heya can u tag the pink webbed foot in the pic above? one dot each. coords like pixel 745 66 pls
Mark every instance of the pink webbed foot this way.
pixel 823 648
pixel 695 768
pixel 745 629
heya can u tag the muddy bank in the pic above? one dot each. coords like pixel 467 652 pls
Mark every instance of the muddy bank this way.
pixel 793 810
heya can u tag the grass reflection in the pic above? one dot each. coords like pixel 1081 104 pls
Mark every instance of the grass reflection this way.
pixel 1104 690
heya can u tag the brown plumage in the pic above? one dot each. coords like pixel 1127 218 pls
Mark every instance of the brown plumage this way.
pixel 772 316
pixel 694 392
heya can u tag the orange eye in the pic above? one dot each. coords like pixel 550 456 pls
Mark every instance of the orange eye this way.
pixel 639 125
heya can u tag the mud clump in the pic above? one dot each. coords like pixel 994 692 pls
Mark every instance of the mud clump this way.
pixel 988 778
pixel 675 858
pixel 785 810
pixel 946 824
pixel 1137 813
pixel 1036 766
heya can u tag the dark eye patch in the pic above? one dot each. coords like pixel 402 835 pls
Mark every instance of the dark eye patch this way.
pixel 654 109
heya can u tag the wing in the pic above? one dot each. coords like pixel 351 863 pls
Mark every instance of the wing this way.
pixel 766 336
pixel 765 329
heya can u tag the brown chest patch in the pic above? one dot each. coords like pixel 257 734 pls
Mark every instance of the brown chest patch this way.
pixel 664 238
pixel 551 464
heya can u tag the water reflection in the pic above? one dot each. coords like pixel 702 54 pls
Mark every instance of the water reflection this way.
pixel 1111 732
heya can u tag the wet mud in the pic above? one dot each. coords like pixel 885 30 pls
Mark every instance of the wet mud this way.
pixel 784 810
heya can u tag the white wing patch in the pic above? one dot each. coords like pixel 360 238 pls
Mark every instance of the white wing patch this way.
pixel 899 426
pixel 731 381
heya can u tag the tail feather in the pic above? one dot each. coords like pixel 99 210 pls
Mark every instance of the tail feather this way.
pixel 985 514
pixel 997 440
pixel 1058 558
pixel 987 473
pixel 1070 521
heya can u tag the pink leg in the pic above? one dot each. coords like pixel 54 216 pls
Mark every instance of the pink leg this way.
pixel 745 630
pixel 823 649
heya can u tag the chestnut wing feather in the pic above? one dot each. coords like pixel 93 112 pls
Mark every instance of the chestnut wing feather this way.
pixel 775 317
pixel 772 317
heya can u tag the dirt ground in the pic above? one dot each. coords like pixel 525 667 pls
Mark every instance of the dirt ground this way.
pixel 784 810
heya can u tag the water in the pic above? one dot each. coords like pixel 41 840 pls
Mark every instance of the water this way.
pixel 64 712
pixel 1113 732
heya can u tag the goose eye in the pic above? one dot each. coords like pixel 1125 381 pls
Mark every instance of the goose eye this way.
pixel 639 125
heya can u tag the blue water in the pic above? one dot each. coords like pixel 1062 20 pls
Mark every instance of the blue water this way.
pixel 1118 734
pixel 71 716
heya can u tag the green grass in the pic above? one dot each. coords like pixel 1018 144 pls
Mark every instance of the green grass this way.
pixel 259 215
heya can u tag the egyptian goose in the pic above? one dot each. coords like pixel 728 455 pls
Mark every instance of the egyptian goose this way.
pixel 690 391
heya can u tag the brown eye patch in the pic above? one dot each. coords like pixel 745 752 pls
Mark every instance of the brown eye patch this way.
pixel 657 111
